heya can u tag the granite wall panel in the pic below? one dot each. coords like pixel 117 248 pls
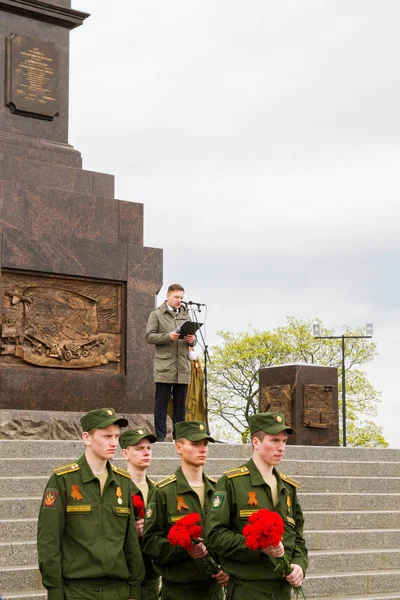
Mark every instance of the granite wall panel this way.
pixel 103 185
pixel 37 211
pixel 131 223
pixel 48 254
pixel 61 389
pixel 144 281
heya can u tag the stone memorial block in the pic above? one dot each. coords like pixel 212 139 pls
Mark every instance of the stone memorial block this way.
pixel 76 282
pixel 308 397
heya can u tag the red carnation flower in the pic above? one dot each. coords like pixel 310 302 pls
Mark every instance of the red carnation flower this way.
pixel 138 506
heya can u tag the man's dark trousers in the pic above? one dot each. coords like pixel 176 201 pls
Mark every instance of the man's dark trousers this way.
pixel 163 392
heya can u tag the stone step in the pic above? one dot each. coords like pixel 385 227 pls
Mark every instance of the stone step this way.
pixel 42 174
pixel 21 578
pixel 15 554
pixel 22 487
pixel 352 520
pixel 215 466
pixel 25 530
pixel 17 486
pixel 27 595
pixel 332 501
pixel 352 539
pixel 28 506
pixel 345 583
pixel 74 448
pixel 336 561
pixel 18 553
pixel 361 485
pixel 17 508
pixel 388 596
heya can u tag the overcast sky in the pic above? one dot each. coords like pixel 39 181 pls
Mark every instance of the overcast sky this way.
pixel 263 139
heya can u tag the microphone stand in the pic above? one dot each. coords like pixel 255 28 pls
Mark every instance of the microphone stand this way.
pixel 194 308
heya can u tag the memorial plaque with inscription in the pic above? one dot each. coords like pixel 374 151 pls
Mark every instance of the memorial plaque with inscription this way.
pixel 31 77
pixel 61 322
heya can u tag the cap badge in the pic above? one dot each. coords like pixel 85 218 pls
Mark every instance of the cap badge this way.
pixel 110 412
pixel 140 431
pixel 252 500
pixel 76 492
pixel 279 419
pixel 201 427
pixel 118 491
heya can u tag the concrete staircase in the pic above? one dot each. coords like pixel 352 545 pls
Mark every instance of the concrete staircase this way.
pixel 350 496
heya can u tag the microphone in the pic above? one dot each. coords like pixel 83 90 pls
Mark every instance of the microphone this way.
pixel 197 303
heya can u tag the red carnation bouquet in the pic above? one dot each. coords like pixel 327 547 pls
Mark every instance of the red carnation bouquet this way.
pixel 186 533
pixel 265 528
pixel 138 506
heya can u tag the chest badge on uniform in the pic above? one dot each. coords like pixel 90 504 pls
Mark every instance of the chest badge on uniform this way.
pixel 180 503
pixel 76 492
pixel 118 491
pixel 289 503
pixel 149 511
pixel 49 499
pixel 252 500
pixel 217 501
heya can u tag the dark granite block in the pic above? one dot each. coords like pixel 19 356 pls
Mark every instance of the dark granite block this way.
pixel 103 185
pixel 308 396
pixel 42 174
pixel 48 254
pixel 37 211
pixel 40 389
pixel 131 222
pixel 39 150
pixel 144 282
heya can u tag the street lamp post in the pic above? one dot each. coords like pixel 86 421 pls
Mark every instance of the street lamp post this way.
pixel 316 333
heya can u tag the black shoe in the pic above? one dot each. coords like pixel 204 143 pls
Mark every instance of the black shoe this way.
pixel 161 439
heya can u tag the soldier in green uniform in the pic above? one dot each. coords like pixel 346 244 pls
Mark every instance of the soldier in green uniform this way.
pixel 87 542
pixel 184 575
pixel 137 450
pixel 243 491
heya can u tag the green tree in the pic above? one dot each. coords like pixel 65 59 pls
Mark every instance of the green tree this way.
pixel 233 375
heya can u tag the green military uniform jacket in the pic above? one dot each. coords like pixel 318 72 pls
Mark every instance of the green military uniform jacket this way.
pixel 171 361
pixel 233 502
pixel 172 562
pixel 86 539
pixel 151 577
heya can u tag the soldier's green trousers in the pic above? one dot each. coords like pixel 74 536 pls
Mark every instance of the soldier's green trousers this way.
pixel 75 593
pixel 190 591
pixel 151 592
pixel 257 590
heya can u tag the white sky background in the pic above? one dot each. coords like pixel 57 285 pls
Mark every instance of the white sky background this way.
pixel 263 139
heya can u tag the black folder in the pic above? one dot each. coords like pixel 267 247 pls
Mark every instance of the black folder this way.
pixel 189 328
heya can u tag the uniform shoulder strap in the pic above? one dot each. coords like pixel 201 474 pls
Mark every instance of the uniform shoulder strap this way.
pixel 166 481
pixel 120 471
pixel 289 480
pixel 71 468
pixel 236 472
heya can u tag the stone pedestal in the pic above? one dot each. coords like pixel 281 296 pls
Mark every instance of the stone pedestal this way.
pixel 308 396
pixel 77 283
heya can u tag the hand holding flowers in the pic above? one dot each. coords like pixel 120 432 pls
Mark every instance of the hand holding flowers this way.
pixel 264 532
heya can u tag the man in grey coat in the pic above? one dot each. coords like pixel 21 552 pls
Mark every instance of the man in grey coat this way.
pixel 172 365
